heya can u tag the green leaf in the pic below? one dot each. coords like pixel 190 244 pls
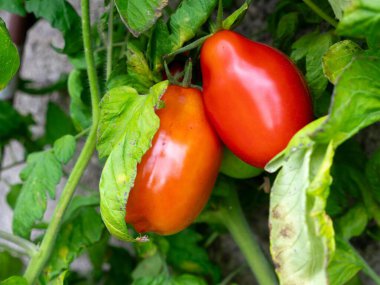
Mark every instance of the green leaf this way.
pixel 149 267
pixel 13 194
pixel 77 233
pixel 286 29
pixel 62 16
pixel 163 279
pixel 186 254
pixel 372 171
pixel 32 88
pixel 132 67
pixel 182 26
pixel 58 123
pixel 64 148
pixel 12 123
pixel 344 265
pixel 14 280
pixel 356 102
pixel 60 279
pixel 80 108
pixel 127 126
pixel 79 202
pixel 339 6
pixel 14 6
pixel 10 265
pixel 312 47
pixel 41 174
pixel 235 18
pixel 353 223
pixel 188 18
pixel 117 274
pixel 138 69
pixel 349 160
pixel 338 58
pixel 361 19
pixel 298 222
pixel 9 58
pixel 159 44
pixel 187 279
pixel 140 15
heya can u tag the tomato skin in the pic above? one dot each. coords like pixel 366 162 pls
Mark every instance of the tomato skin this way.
pixel 177 174
pixel 233 167
pixel 255 97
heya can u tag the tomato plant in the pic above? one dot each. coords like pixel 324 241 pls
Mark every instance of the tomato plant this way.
pixel 176 176
pixel 122 153
pixel 262 100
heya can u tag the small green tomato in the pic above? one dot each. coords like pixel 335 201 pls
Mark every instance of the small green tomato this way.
pixel 236 168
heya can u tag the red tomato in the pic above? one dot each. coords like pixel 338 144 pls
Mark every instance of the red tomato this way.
pixel 254 96
pixel 175 177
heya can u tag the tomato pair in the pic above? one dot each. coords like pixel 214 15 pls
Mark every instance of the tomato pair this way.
pixel 255 99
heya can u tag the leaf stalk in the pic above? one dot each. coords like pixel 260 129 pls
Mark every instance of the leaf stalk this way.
pixel 28 247
pixel 321 13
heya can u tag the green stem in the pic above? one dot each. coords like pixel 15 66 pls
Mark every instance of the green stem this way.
pixel 16 252
pixel 231 276
pixel 82 133
pixel 14 164
pixel 321 13
pixel 366 268
pixel 110 40
pixel 186 82
pixel 39 260
pixel 219 16
pixel 232 216
pixel 190 46
pixel 27 246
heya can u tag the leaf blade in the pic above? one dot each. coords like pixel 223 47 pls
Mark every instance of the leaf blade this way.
pixel 134 115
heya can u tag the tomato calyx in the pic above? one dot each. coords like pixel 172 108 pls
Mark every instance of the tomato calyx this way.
pixel 174 76
pixel 181 78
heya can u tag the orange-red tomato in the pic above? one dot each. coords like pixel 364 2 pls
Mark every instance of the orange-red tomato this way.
pixel 176 175
pixel 254 96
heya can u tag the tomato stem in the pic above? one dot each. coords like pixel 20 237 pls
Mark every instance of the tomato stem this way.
pixel 29 248
pixel 110 40
pixel 219 16
pixel 232 216
pixel 188 74
pixel 168 73
pixel 191 46
pixel 40 258
pixel 366 268
pixel 321 13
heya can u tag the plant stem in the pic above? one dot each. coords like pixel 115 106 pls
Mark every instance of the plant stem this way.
pixel 14 164
pixel 219 16
pixel 110 40
pixel 321 13
pixel 39 260
pixel 82 133
pixel 190 46
pixel 17 252
pixel 27 246
pixel 366 268
pixel 91 69
pixel 232 216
